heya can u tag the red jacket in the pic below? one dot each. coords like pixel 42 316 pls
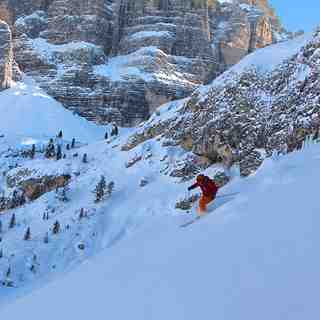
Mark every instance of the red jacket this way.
pixel 208 187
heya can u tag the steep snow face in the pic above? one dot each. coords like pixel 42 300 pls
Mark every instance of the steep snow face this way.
pixel 268 58
pixel 28 114
pixel 256 257
pixel 263 60
pixel 102 224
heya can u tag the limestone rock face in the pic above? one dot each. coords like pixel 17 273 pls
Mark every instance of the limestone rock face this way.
pixel 34 186
pixel 118 60
pixel 6 56
pixel 248 115
pixel 79 20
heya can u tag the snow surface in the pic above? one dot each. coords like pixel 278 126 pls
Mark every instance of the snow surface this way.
pixel 43 47
pixel 135 64
pixel 29 114
pixel 266 59
pixel 263 60
pixel 150 34
pixel 254 257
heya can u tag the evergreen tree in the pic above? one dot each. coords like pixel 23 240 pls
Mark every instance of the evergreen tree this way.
pixel 8 282
pixel 73 143
pixel 114 131
pixel 50 150
pixel 59 153
pixel 68 146
pixel 8 273
pixel 45 215
pixel 1 253
pixel 85 158
pixel 3 202
pixel 100 189
pixel 27 235
pixel 33 151
pixel 60 135
pixel 56 227
pixel 0 226
pixel 46 238
pixel 106 136
pixel 12 223
pixel 110 188
pixel 82 214
pixel 18 199
pixel 34 263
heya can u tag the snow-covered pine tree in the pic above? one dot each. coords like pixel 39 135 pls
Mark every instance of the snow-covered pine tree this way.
pixel 3 201
pixel 18 199
pixel 68 146
pixel 7 281
pixel 85 158
pixel 46 238
pixel 106 136
pixel 100 189
pixel 34 263
pixel 33 151
pixel 8 273
pixel 81 214
pixel 50 150
pixel 1 253
pixel 45 215
pixel 56 227
pixel 60 135
pixel 110 188
pixel 27 235
pixel 59 153
pixel 114 130
pixel 73 143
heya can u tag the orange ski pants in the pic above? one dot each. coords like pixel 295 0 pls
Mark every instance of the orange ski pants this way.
pixel 203 202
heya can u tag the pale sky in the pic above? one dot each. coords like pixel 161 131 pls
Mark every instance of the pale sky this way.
pixel 298 14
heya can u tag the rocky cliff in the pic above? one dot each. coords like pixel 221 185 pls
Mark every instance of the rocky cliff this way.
pixel 266 105
pixel 119 60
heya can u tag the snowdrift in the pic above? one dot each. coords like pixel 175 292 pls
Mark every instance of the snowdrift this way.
pixel 27 113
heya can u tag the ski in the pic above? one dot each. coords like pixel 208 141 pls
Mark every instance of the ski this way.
pixel 190 222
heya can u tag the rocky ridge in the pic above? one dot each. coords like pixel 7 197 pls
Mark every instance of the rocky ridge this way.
pixel 246 114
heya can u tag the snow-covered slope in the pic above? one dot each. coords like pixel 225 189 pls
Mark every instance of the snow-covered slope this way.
pixel 263 60
pixel 28 113
pixel 256 257
pixel 252 258
pixel 104 224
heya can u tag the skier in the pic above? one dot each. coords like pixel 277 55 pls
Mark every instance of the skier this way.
pixel 209 190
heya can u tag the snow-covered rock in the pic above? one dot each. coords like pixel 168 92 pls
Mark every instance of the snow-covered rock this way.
pixel 267 103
